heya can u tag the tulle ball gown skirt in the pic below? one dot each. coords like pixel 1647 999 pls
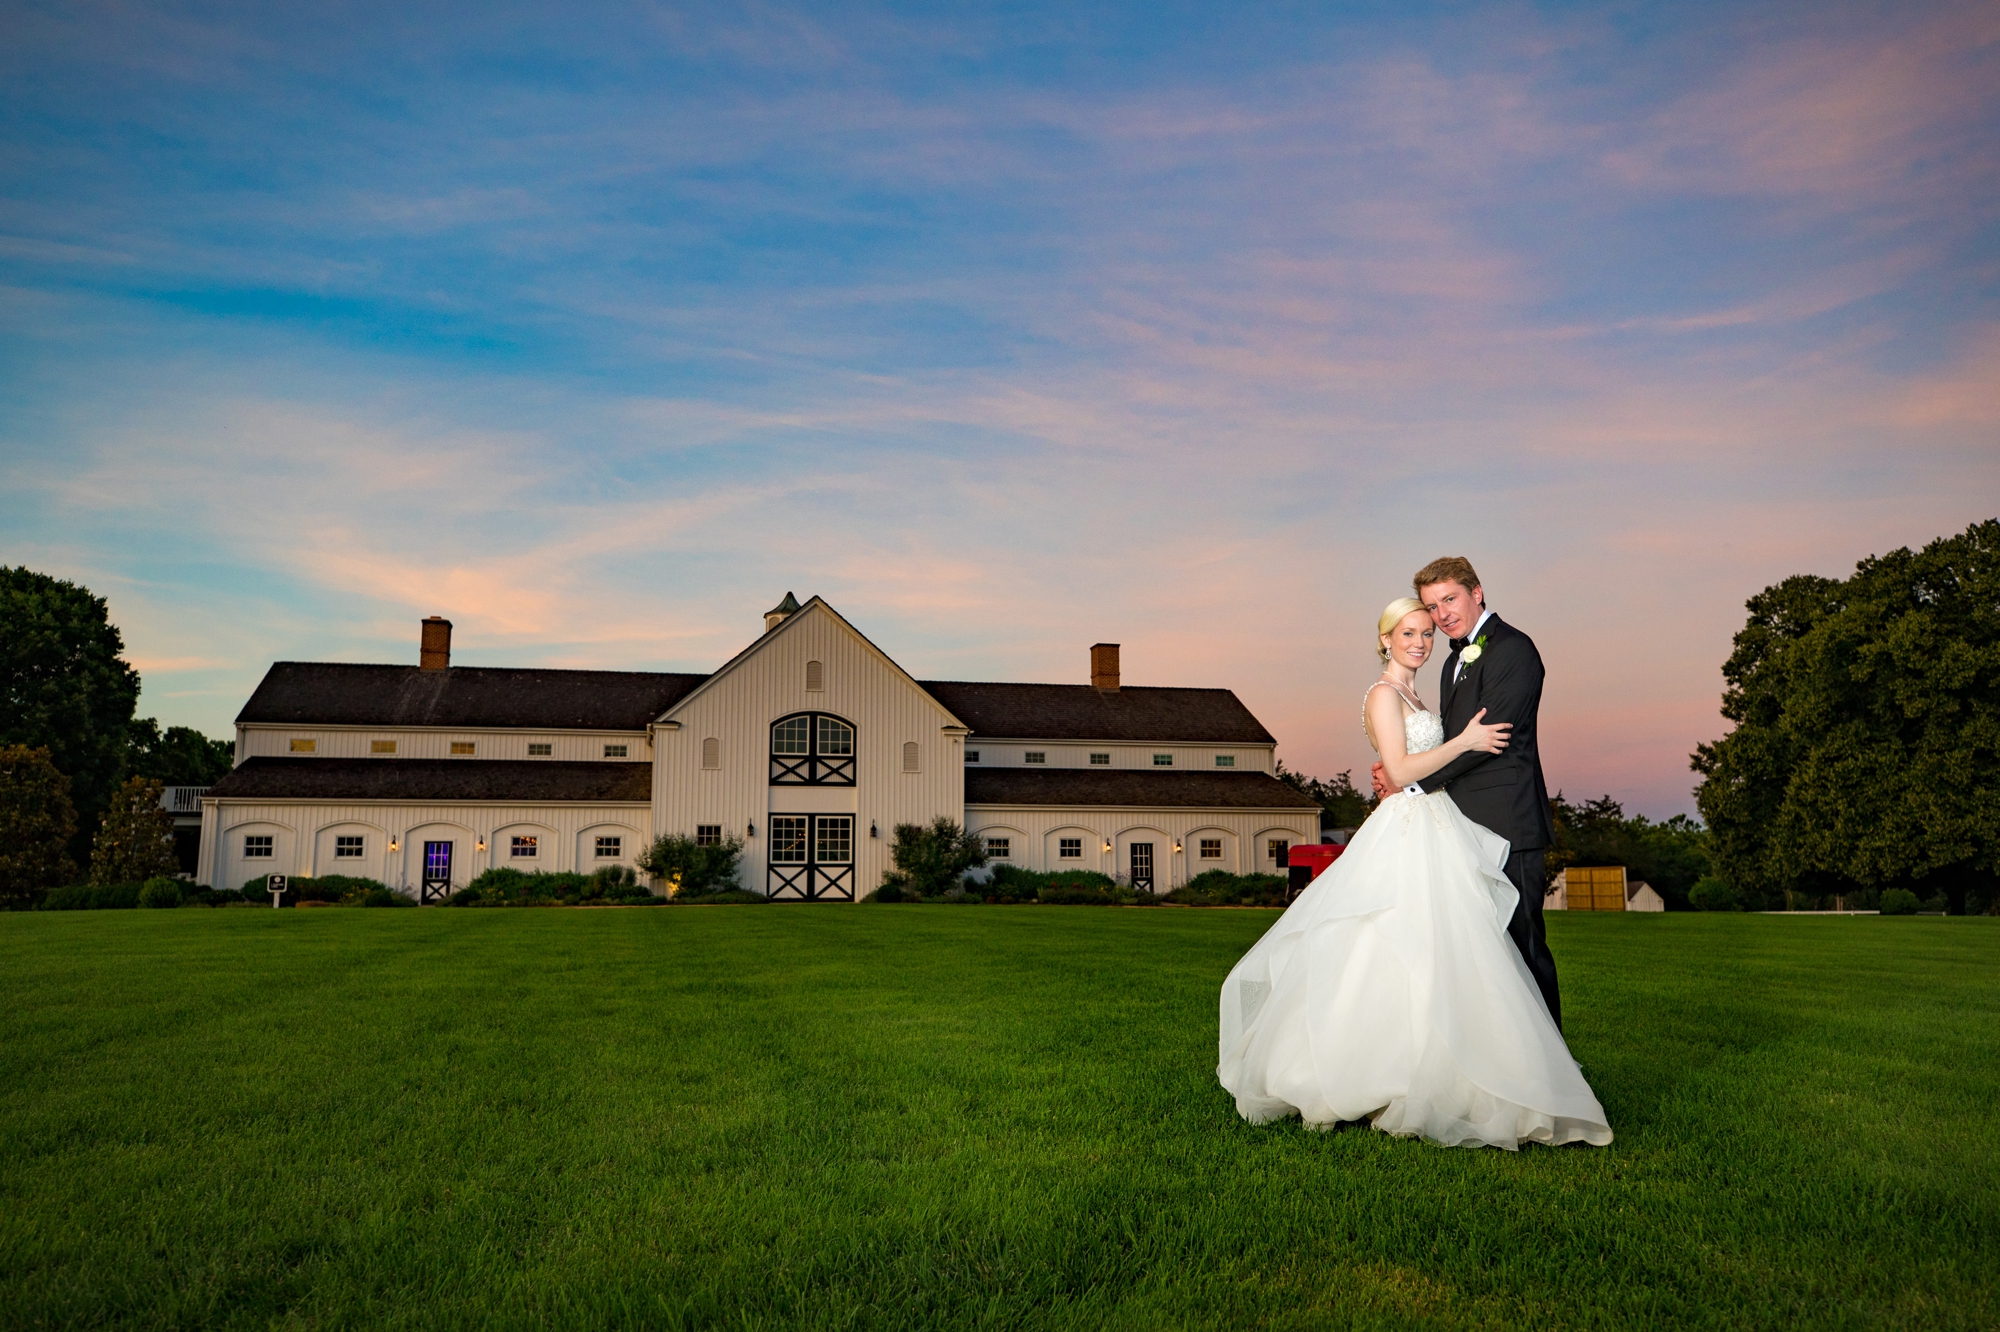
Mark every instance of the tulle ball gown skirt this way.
pixel 1391 992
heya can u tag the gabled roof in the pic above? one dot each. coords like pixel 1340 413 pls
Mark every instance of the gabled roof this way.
pixel 326 693
pixel 1138 787
pixel 787 625
pixel 435 779
pixel 1081 712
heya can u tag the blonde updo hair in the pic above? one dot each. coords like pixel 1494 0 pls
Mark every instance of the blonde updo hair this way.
pixel 1392 615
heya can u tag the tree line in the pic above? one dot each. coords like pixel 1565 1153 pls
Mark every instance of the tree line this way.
pixel 80 774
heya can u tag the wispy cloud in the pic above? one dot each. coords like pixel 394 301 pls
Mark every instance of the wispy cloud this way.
pixel 1007 336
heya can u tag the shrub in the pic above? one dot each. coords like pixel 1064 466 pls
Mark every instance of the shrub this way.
pixel 343 889
pixel 385 897
pixel 686 869
pixel 930 859
pixel 1221 888
pixel 1899 902
pixel 503 886
pixel 159 892
pixel 1713 894
pixel 93 897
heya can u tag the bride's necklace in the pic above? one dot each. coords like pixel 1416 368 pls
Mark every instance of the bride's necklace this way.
pixel 1408 692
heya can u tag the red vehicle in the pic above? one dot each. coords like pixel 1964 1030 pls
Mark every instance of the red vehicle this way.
pixel 1308 861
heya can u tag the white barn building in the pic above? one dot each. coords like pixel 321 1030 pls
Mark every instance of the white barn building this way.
pixel 811 745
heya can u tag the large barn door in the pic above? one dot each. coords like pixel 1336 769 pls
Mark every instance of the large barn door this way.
pixel 812 858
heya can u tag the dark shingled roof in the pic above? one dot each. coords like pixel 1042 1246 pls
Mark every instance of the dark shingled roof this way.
pixel 326 693
pixel 435 779
pixel 1080 712
pixel 1130 786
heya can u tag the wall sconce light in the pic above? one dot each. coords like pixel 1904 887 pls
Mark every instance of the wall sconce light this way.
pixel 872 830
pixel 394 845
pixel 482 844
pixel 1177 846
pixel 1107 845
pixel 750 829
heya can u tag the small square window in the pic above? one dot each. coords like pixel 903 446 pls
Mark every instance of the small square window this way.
pixel 614 751
pixel 256 847
pixel 1279 850
pixel 461 747
pixel 525 848
pixel 305 746
pixel 347 848
pixel 1225 760
pixel 1000 848
pixel 708 834
pixel 972 756
pixel 1069 848
pixel 1034 756
pixel 540 751
pixel 381 746
pixel 1211 848
pixel 1101 760
pixel 609 848
pixel 1163 760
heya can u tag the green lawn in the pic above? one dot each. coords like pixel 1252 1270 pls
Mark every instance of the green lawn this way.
pixel 928 1116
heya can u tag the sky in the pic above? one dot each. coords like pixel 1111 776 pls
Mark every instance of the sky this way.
pixel 1007 329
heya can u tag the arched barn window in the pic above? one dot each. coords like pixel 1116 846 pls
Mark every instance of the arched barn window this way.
pixel 812 749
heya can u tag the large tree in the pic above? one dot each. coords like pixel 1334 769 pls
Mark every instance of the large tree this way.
pixel 36 823
pixel 182 756
pixel 62 684
pixel 1866 753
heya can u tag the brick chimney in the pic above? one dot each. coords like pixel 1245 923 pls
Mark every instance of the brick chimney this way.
pixel 435 652
pixel 1104 667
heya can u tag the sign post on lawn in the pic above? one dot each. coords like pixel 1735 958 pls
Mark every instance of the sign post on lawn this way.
pixel 276 885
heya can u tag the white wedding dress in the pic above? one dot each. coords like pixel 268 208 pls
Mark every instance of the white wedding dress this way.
pixel 1390 991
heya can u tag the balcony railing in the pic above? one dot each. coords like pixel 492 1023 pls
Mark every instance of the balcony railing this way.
pixel 182 799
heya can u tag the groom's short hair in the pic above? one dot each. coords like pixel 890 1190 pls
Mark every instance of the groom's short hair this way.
pixel 1450 569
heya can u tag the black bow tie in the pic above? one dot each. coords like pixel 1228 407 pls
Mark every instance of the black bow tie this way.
pixel 1458 644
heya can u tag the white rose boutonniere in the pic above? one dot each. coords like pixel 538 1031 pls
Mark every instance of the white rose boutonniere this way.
pixel 1473 650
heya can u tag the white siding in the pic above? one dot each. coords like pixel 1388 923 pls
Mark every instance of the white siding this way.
pixel 737 709
pixel 304 832
pixel 426 742
pixel 1010 753
pixel 1035 832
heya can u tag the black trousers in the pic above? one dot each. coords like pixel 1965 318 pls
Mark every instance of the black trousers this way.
pixel 1524 868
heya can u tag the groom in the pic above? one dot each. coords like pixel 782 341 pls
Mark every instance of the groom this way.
pixel 1494 666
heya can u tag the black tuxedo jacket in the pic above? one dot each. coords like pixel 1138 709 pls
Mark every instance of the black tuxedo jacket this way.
pixel 1504 791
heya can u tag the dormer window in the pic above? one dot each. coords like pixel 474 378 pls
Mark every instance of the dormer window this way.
pixel 1225 760
pixel 1035 756
pixel 1163 760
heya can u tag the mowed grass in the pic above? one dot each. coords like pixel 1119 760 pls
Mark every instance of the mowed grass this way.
pixel 936 1117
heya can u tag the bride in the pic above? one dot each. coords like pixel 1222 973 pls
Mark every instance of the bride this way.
pixel 1390 990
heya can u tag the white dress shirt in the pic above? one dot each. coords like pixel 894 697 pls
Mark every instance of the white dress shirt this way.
pixel 1458 667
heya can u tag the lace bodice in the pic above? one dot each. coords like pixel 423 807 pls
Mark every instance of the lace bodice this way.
pixel 1422 729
